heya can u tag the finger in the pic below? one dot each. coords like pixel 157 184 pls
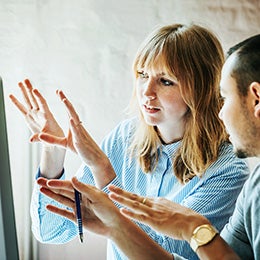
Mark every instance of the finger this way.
pixel 135 205
pixel 70 108
pixel 51 139
pixel 126 197
pixel 75 125
pixel 41 101
pixel 122 192
pixel 61 94
pixel 70 143
pixel 30 94
pixel 35 138
pixel 62 187
pixel 42 181
pixel 18 104
pixel 62 212
pixel 80 134
pixel 89 191
pixel 78 130
pixel 60 184
pixel 25 95
pixel 138 217
pixel 62 198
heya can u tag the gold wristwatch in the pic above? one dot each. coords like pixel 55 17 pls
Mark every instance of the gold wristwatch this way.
pixel 202 235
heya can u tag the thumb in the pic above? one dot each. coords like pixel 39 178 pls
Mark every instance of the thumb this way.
pixel 51 139
pixel 34 138
pixel 89 191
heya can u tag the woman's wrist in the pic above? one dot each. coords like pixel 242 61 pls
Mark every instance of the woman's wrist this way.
pixel 52 162
pixel 103 173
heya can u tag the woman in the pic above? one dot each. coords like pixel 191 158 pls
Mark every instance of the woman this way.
pixel 175 148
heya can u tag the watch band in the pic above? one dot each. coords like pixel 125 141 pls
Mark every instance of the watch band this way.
pixel 202 235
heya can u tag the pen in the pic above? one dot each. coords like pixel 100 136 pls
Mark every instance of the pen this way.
pixel 78 212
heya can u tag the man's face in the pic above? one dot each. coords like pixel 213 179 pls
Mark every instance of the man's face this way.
pixel 238 115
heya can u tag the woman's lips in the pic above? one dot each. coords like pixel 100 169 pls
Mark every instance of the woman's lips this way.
pixel 150 109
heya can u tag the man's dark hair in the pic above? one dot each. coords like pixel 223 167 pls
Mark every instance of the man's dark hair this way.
pixel 247 64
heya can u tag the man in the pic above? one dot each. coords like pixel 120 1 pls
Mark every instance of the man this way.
pixel 240 89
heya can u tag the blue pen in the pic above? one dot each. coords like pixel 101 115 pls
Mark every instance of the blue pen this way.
pixel 78 211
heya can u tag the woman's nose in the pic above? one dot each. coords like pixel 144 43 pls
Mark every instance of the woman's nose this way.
pixel 150 90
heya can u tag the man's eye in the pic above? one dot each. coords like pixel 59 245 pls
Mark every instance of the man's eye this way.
pixel 142 74
pixel 166 82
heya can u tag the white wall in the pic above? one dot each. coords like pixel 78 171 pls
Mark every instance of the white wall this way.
pixel 86 48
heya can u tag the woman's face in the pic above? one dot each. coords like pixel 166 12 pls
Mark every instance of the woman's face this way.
pixel 160 101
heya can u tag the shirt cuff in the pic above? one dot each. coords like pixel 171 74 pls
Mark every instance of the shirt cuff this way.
pixel 38 174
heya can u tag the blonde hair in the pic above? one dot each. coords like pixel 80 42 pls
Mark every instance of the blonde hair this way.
pixel 195 57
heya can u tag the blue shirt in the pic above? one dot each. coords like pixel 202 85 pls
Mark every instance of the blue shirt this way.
pixel 212 195
pixel 242 232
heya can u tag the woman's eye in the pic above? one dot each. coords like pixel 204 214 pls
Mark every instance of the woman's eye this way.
pixel 142 74
pixel 166 82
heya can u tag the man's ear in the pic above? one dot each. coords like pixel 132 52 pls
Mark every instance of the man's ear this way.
pixel 254 89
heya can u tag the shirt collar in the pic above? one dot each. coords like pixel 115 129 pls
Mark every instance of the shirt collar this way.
pixel 170 149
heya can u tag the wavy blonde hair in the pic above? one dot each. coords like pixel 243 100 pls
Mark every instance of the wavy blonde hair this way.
pixel 193 55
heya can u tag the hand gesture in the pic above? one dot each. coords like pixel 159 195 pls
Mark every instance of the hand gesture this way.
pixel 164 216
pixel 99 214
pixel 79 141
pixel 36 112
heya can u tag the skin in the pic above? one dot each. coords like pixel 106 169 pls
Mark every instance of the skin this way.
pixel 40 120
pixel 161 103
pixel 45 129
pixel 157 213
pixel 171 219
pixel 246 130
pixel 100 215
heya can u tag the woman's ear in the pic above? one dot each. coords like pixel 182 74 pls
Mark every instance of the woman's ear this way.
pixel 254 88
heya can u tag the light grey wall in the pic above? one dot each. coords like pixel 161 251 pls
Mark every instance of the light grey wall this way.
pixel 86 48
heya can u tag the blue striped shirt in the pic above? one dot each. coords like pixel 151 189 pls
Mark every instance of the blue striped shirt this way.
pixel 213 195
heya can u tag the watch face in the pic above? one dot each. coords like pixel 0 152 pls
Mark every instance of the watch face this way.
pixel 204 234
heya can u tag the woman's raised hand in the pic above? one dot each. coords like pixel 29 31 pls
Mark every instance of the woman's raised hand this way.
pixel 36 112
pixel 80 141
